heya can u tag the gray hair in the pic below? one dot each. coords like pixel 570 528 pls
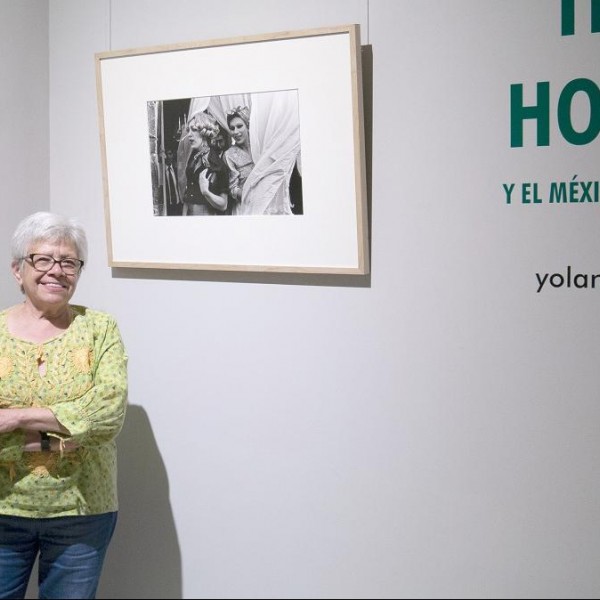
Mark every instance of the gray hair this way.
pixel 47 227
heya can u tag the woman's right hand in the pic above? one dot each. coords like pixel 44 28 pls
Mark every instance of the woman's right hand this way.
pixel 204 182
pixel 33 443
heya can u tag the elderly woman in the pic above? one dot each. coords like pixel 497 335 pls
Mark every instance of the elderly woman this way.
pixel 63 397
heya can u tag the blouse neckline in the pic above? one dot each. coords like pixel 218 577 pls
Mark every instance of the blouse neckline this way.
pixel 7 332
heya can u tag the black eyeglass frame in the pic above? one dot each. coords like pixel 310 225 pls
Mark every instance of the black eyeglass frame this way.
pixel 77 261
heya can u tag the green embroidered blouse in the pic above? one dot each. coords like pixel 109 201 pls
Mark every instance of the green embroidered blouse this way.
pixel 85 386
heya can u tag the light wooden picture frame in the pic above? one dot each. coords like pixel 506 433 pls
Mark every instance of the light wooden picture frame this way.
pixel 296 203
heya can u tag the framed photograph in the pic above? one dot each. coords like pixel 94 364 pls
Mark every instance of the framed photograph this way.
pixel 242 154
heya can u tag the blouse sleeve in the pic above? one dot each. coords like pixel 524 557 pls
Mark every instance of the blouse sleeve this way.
pixel 11 446
pixel 97 416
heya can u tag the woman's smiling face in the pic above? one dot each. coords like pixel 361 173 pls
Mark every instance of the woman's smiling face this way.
pixel 239 131
pixel 52 288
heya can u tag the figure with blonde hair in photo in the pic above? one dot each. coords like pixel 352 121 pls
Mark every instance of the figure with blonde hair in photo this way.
pixel 207 183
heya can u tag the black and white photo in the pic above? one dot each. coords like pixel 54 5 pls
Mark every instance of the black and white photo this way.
pixel 236 154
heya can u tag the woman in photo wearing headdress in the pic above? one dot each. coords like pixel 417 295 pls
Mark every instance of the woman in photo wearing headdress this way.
pixel 238 156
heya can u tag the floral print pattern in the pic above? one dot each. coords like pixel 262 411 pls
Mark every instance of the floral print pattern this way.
pixel 85 384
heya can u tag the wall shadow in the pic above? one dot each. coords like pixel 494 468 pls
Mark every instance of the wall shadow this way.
pixel 144 558
pixel 367 88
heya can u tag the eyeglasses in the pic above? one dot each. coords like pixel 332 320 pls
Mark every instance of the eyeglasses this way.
pixel 44 263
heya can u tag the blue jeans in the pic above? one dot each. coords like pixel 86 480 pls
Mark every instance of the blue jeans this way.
pixel 71 554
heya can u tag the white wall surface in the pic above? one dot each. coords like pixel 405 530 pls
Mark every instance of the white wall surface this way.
pixel 428 431
pixel 24 164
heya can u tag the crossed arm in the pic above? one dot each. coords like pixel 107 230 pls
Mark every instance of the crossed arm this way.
pixel 33 420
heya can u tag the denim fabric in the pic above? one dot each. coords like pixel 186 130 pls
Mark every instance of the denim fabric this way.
pixel 71 554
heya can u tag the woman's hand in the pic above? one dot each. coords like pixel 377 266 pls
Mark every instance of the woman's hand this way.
pixel 204 182
pixel 217 201
pixel 33 443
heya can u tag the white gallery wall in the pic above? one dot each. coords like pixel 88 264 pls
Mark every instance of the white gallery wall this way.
pixel 427 431
pixel 24 145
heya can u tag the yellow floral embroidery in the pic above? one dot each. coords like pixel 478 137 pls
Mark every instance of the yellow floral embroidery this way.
pixel 41 464
pixel 81 359
pixel 40 471
pixel 6 366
